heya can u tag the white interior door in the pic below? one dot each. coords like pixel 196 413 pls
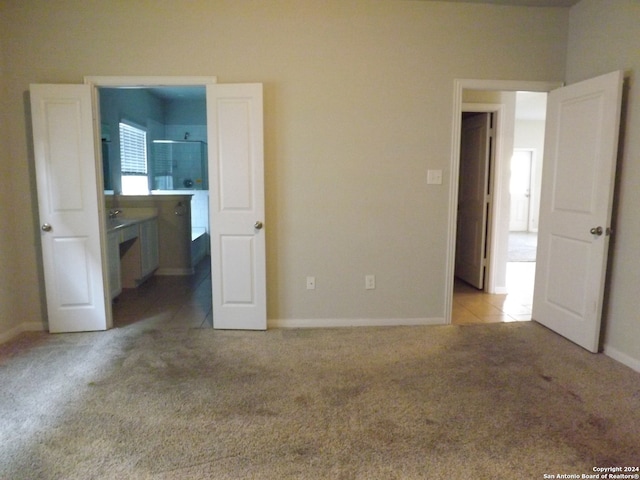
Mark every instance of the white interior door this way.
pixel 520 190
pixel 236 179
pixel 65 163
pixel 581 142
pixel 473 199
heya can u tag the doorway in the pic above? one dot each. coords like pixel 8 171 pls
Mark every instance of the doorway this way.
pixel 236 155
pixel 477 155
pixel 172 171
pixel 473 300
pixel 494 96
pixel 525 185
pixel 234 114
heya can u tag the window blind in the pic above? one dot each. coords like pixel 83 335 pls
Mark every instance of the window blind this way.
pixel 133 150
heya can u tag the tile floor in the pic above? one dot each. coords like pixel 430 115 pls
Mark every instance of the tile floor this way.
pixel 474 306
pixel 181 301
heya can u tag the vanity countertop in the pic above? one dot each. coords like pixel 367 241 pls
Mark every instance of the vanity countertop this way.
pixel 118 223
pixel 130 216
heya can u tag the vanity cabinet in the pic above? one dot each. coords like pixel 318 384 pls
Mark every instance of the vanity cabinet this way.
pixel 139 253
pixel 150 258
pixel 113 258
pixel 133 253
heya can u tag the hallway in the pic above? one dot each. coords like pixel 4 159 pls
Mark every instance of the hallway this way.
pixel 474 306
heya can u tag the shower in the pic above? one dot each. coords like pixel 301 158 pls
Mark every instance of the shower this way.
pixel 179 164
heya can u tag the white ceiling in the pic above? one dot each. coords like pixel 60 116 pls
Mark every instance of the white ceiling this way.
pixel 525 3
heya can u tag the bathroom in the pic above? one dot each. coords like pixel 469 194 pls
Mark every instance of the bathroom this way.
pixel 164 130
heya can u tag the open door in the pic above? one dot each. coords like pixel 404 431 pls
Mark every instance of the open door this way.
pixel 471 237
pixel 581 143
pixel 236 180
pixel 65 161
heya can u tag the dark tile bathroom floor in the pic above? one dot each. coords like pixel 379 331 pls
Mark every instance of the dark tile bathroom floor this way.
pixel 179 300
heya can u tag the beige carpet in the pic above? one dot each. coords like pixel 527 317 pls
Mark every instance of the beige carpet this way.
pixel 153 401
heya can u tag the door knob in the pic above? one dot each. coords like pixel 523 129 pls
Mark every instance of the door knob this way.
pixel 46 227
pixel 258 225
pixel 596 231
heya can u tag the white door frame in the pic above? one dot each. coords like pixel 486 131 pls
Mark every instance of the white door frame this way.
pixel 500 172
pixel 96 82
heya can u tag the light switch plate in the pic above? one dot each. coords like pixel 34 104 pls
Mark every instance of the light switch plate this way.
pixel 370 282
pixel 434 177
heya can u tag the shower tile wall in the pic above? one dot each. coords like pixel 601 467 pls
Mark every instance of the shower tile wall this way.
pixel 190 167
pixel 177 132
pixel 200 199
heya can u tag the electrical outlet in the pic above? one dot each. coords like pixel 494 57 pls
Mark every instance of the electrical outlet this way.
pixel 370 282
pixel 311 283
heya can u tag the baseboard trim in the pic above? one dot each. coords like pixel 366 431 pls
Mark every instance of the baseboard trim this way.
pixel 18 329
pixel 175 271
pixel 623 358
pixel 352 322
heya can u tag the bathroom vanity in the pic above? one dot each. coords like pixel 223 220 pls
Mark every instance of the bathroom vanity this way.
pixel 133 254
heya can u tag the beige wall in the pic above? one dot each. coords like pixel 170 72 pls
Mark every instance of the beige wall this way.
pixel 358 105
pixel 8 312
pixel 604 36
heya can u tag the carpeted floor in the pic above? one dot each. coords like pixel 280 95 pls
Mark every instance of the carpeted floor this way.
pixel 154 401
pixel 522 246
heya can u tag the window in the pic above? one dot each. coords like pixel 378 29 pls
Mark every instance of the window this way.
pixel 133 160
